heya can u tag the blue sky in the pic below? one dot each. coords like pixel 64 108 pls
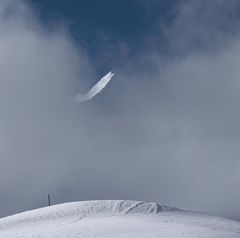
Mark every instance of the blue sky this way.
pixel 106 25
pixel 118 32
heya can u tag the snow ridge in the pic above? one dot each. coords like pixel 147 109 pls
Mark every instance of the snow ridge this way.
pixel 96 89
pixel 83 209
pixel 118 219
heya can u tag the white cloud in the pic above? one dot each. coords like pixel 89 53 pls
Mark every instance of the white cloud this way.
pixel 169 135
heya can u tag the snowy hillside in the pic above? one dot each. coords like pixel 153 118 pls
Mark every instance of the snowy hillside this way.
pixel 110 219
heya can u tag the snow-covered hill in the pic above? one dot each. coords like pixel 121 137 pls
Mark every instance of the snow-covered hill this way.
pixel 113 219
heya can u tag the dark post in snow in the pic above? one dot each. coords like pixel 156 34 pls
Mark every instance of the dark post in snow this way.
pixel 49 200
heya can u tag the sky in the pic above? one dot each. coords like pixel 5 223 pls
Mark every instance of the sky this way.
pixel 102 26
pixel 165 129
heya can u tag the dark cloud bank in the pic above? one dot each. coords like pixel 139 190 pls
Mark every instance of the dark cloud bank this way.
pixel 165 130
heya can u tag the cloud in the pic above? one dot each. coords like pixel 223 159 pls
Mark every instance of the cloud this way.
pixel 184 111
pixel 39 70
pixel 165 130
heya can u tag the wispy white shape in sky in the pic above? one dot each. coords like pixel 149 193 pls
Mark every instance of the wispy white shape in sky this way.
pixel 97 88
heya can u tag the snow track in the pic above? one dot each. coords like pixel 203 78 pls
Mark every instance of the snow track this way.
pixel 110 219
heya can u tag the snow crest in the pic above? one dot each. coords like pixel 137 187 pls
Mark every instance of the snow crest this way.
pixel 96 89
pixel 116 219
pixel 84 209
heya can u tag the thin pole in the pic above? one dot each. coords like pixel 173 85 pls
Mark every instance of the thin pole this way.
pixel 49 200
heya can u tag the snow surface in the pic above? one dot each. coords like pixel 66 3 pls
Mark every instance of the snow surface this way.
pixel 97 88
pixel 113 219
